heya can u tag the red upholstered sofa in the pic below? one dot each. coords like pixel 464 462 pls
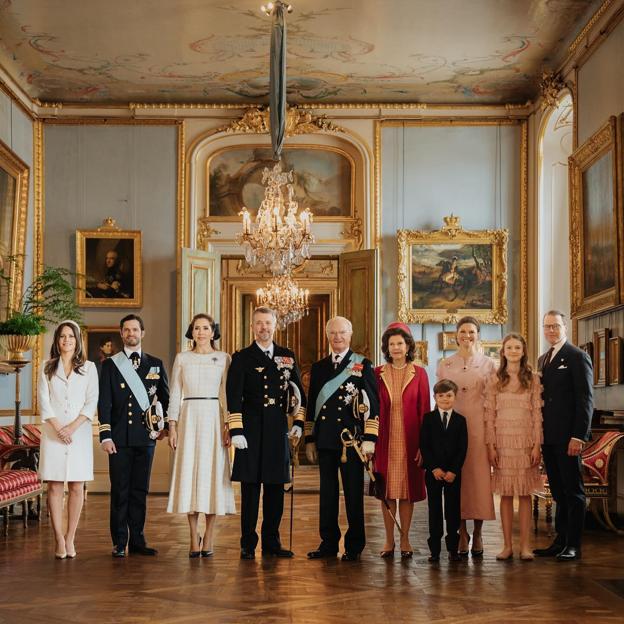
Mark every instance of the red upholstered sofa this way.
pixel 19 482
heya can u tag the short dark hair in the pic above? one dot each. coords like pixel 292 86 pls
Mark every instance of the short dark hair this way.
pixel 132 317
pixel 409 341
pixel 465 320
pixel 104 340
pixel 555 313
pixel 445 385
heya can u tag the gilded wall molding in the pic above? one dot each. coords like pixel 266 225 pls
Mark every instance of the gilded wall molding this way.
pixel 39 224
pixel 205 232
pixel 590 24
pixel 183 225
pixel 298 121
pixel 550 86
pixel 524 228
pixel 354 233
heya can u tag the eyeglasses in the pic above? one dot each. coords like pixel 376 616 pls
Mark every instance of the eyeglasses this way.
pixel 553 327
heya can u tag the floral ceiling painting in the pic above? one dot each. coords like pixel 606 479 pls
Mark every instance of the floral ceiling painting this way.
pixel 114 51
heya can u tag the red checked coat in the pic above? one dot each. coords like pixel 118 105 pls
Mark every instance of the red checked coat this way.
pixel 416 402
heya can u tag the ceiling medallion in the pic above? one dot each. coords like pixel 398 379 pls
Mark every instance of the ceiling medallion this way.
pixel 283 295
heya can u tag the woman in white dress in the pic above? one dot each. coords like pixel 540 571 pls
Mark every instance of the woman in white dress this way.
pixel 200 482
pixel 68 396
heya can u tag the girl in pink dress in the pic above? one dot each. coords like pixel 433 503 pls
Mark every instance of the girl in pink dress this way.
pixel 513 426
pixel 469 369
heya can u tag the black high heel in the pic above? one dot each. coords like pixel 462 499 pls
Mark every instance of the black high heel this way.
pixel 195 554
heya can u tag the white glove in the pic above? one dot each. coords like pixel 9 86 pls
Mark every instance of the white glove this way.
pixel 295 432
pixel 311 453
pixel 239 442
pixel 368 448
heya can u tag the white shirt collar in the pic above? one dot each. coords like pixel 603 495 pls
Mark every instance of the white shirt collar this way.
pixel 441 412
pixel 557 347
pixel 340 355
pixel 270 349
pixel 129 351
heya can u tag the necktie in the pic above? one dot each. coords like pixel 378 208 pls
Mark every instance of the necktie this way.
pixel 268 354
pixel 136 359
pixel 336 361
pixel 548 357
pixel 445 420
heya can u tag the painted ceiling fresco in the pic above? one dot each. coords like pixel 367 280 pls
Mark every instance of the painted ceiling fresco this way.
pixel 119 51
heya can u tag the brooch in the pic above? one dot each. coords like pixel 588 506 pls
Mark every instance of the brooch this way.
pixel 283 361
pixel 152 390
pixel 356 370
pixel 351 392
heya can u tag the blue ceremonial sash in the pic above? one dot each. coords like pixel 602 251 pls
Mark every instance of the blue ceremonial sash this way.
pixel 124 365
pixel 333 384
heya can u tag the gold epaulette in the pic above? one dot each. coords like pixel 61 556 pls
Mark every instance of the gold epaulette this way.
pixel 371 426
pixel 309 426
pixel 235 420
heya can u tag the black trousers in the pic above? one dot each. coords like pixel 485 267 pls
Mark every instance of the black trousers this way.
pixel 566 485
pixel 352 474
pixel 272 509
pixel 452 512
pixel 129 469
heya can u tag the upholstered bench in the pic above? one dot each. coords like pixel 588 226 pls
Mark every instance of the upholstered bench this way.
pixel 23 455
pixel 19 486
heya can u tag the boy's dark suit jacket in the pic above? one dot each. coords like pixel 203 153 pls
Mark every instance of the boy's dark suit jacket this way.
pixel 440 448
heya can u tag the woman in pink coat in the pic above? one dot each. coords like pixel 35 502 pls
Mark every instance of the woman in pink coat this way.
pixel 403 400
pixel 469 369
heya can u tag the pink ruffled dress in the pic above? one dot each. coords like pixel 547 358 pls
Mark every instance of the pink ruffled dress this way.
pixel 513 423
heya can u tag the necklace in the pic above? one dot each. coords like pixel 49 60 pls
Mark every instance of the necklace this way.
pixel 399 367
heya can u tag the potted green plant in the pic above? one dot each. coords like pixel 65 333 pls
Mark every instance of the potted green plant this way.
pixel 50 298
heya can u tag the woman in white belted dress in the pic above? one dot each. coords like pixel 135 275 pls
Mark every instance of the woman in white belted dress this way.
pixel 200 482
pixel 68 396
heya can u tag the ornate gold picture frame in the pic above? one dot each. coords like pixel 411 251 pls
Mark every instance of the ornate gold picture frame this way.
pixel 421 353
pixel 449 273
pixel 601 354
pixel 593 173
pixel 324 180
pixel 108 263
pixel 14 175
pixel 616 373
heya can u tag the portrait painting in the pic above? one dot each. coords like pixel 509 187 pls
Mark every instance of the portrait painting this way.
pixel 323 180
pixel 601 353
pixel 491 348
pixel 100 343
pixel 108 264
pixel 593 223
pixel 14 174
pixel 452 272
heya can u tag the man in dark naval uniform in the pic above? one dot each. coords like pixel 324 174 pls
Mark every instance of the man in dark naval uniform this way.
pixel 262 381
pixel 130 382
pixel 343 395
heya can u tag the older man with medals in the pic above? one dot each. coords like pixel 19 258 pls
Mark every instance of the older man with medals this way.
pixel 134 393
pixel 263 384
pixel 343 396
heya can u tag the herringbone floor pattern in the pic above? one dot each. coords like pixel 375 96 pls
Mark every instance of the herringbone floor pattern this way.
pixel 170 588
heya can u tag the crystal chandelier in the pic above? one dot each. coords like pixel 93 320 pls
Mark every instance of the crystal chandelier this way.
pixel 280 238
pixel 283 295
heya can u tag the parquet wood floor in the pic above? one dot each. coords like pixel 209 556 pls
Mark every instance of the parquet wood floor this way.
pixel 170 588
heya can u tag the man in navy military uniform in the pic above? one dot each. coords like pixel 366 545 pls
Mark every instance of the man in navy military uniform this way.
pixel 130 382
pixel 343 395
pixel 262 380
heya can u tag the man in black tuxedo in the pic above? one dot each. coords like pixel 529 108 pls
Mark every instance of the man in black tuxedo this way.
pixel 567 377
pixel 263 383
pixel 443 446
pixel 343 395
pixel 130 382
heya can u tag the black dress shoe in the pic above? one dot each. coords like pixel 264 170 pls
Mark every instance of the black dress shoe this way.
pixel 551 551
pixel 282 553
pixel 321 554
pixel 247 553
pixel 142 550
pixel 453 556
pixel 434 558
pixel 348 556
pixel 569 553
pixel 119 551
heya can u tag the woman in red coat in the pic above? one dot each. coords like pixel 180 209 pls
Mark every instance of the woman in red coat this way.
pixel 403 400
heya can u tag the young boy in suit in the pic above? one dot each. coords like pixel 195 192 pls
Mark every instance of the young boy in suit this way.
pixel 443 446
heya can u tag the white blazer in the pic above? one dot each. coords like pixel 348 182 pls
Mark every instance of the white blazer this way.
pixel 65 398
